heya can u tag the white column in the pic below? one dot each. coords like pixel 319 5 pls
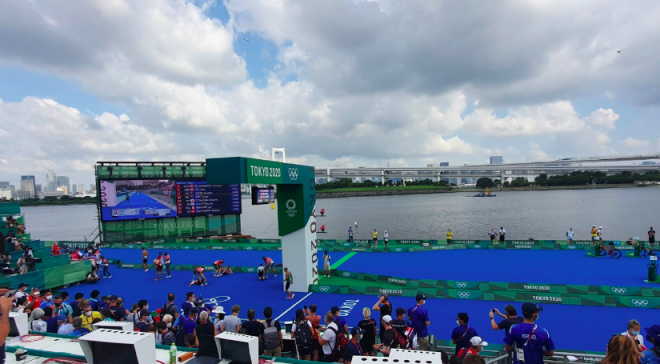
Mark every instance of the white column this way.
pixel 299 254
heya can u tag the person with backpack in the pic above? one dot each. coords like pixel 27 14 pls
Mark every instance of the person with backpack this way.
pixel 385 308
pixel 301 332
pixel 271 335
pixel 368 334
pixel 476 345
pixel 389 337
pixel 170 308
pixel 329 340
pixel 354 347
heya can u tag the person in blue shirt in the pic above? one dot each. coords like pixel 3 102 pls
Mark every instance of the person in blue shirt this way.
pixel 94 300
pixel 190 303
pixel 652 355
pixel 353 348
pixel 419 320
pixel 463 333
pixel 340 321
pixel 350 233
pixel 78 330
pixel 48 299
pixel 529 339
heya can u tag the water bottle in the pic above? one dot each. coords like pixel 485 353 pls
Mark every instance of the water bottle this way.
pixel 173 354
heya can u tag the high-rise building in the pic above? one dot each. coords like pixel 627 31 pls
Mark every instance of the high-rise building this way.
pixel 81 189
pixel 496 160
pixel 64 181
pixel 444 164
pixel 51 181
pixel 4 184
pixel 27 189
pixel 92 188
pixel 32 190
pixel 63 189
pixel 38 189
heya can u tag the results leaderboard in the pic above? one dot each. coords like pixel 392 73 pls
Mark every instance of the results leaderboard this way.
pixel 198 198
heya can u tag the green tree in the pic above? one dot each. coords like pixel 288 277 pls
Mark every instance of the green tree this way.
pixel 542 179
pixel 506 184
pixel 520 182
pixel 485 182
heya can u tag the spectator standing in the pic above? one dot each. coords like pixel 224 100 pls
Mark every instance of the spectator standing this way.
pixel 170 307
pixel 301 332
pixel 75 304
pixel 463 333
pixel 190 303
pixel 651 234
pixel 385 308
pixel 511 318
pixel 51 321
pixel 633 332
pixel 652 355
pixel 492 234
pixel 529 340
pixel 232 322
pixel 78 330
pixel 88 316
pixel 205 333
pixel 47 300
pixel 354 346
pixel 350 234
pixel 118 312
pixel 389 337
pixel 399 323
pixel 368 333
pixel 62 309
pixel 476 345
pixel 143 325
pixel 340 321
pixel 419 320
pixel 502 233
pixel 329 340
pixel 270 333
pixel 220 319
pixel 621 350
pixel 374 235
pixel 21 291
pixel 386 239
pixel 166 336
pixel 65 328
pixel 251 326
pixel 94 300
pixel 37 324
pixel 569 236
pixel 315 319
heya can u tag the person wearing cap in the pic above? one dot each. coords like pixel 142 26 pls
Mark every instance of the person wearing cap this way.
pixel 385 308
pixel 511 318
pixel 650 355
pixel 353 347
pixel 21 291
pixel 528 339
pixel 389 337
pixel 419 320
pixel 187 323
pixel 463 333
pixel 340 321
pixel 118 312
pixel 143 326
pixel 476 345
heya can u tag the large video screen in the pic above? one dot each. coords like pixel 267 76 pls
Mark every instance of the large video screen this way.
pixel 156 199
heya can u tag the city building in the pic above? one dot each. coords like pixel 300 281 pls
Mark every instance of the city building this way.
pixel 27 189
pixel 92 188
pixel 38 188
pixel 81 189
pixel 63 189
pixel 51 181
pixel 57 194
pixel 4 184
pixel 32 190
pixel 497 160
pixel 5 193
pixel 444 164
pixel 64 181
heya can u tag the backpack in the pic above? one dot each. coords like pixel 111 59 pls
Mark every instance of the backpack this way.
pixel 303 335
pixel 166 310
pixel 180 339
pixel 272 336
pixel 341 342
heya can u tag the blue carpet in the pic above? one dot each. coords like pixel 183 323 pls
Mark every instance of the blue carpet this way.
pixel 231 257
pixel 246 291
pixel 522 266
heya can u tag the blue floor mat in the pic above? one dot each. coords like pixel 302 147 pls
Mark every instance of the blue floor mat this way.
pixel 522 266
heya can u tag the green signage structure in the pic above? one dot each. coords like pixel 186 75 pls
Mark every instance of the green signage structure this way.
pixel 296 201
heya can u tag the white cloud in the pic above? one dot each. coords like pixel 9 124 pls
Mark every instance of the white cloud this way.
pixel 636 143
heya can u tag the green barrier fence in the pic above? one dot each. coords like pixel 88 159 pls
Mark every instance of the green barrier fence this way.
pixel 566 299
pixel 10 208
pixel 38 253
pixel 501 286
pixel 50 278
pixel 6 231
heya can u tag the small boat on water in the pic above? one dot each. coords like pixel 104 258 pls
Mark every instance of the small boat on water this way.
pixel 484 194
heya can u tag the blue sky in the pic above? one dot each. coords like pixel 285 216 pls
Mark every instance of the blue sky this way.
pixel 348 83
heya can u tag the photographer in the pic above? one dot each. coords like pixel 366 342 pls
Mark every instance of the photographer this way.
pixel 511 318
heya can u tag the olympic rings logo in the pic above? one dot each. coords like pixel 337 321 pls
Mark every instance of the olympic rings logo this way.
pixel 619 290
pixel 293 173
pixel 398 249
pixel 249 270
pixel 571 247
pixel 461 284
pixel 324 288
pixel 464 294
pixel 347 244
pixel 639 303
pixel 248 248
pixel 346 274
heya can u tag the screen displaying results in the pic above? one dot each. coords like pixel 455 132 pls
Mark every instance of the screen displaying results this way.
pixel 198 198
pixel 153 199
pixel 262 196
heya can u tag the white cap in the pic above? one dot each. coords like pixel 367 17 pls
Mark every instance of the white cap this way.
pixel 477 341
pixel 387 318
pixel 600 227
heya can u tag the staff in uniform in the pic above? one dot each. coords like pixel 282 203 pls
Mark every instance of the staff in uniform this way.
pixel 450 236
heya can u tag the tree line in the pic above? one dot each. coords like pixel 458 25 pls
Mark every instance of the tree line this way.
pixel 576 178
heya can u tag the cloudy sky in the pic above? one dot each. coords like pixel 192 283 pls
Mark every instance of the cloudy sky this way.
pixel 335 82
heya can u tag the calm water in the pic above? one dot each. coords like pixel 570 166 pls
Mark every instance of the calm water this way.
pixel 623 213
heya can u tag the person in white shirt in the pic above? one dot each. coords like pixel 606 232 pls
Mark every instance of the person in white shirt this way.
pixel 329 339
pixel 65 328
pixel 633 332
pixel 37 324
pixel 386 239
pixel 569 236
pixel 21 291
pixel 326 264
pixel 502 235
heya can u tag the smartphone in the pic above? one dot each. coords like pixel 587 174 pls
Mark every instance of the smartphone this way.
pixel 11 293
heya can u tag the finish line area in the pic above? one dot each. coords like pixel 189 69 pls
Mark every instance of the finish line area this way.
pixel 554 268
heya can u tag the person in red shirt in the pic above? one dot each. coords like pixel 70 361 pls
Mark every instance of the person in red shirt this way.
pixel 218 268
pixel 55 250
pixel 35 298
pixel 168 262
pixel 269 264
pixel 158 262
pixel 476 345
pixel 198 277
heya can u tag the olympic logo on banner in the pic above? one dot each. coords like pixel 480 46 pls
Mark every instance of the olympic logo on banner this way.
pixel 248 248
pixel 398 249
pixel 639 303
pixel 249 270
pixel 476 246
pixel 293 173
pixel 324 288
pixel 347 244
pixel 571 247
pixel 291 207
pixel 619 290
pixel 461 284
pixel 346 274
pixel 464 294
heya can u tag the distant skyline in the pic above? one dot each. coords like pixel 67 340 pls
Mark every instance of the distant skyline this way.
pixel 336 82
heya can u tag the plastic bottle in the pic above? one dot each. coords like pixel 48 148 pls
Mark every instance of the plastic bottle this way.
pixel 173 354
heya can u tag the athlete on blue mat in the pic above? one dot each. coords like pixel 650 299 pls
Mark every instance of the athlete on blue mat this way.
pixel 198 277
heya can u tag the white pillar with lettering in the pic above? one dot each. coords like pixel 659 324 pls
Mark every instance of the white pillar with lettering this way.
pixel 301 260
